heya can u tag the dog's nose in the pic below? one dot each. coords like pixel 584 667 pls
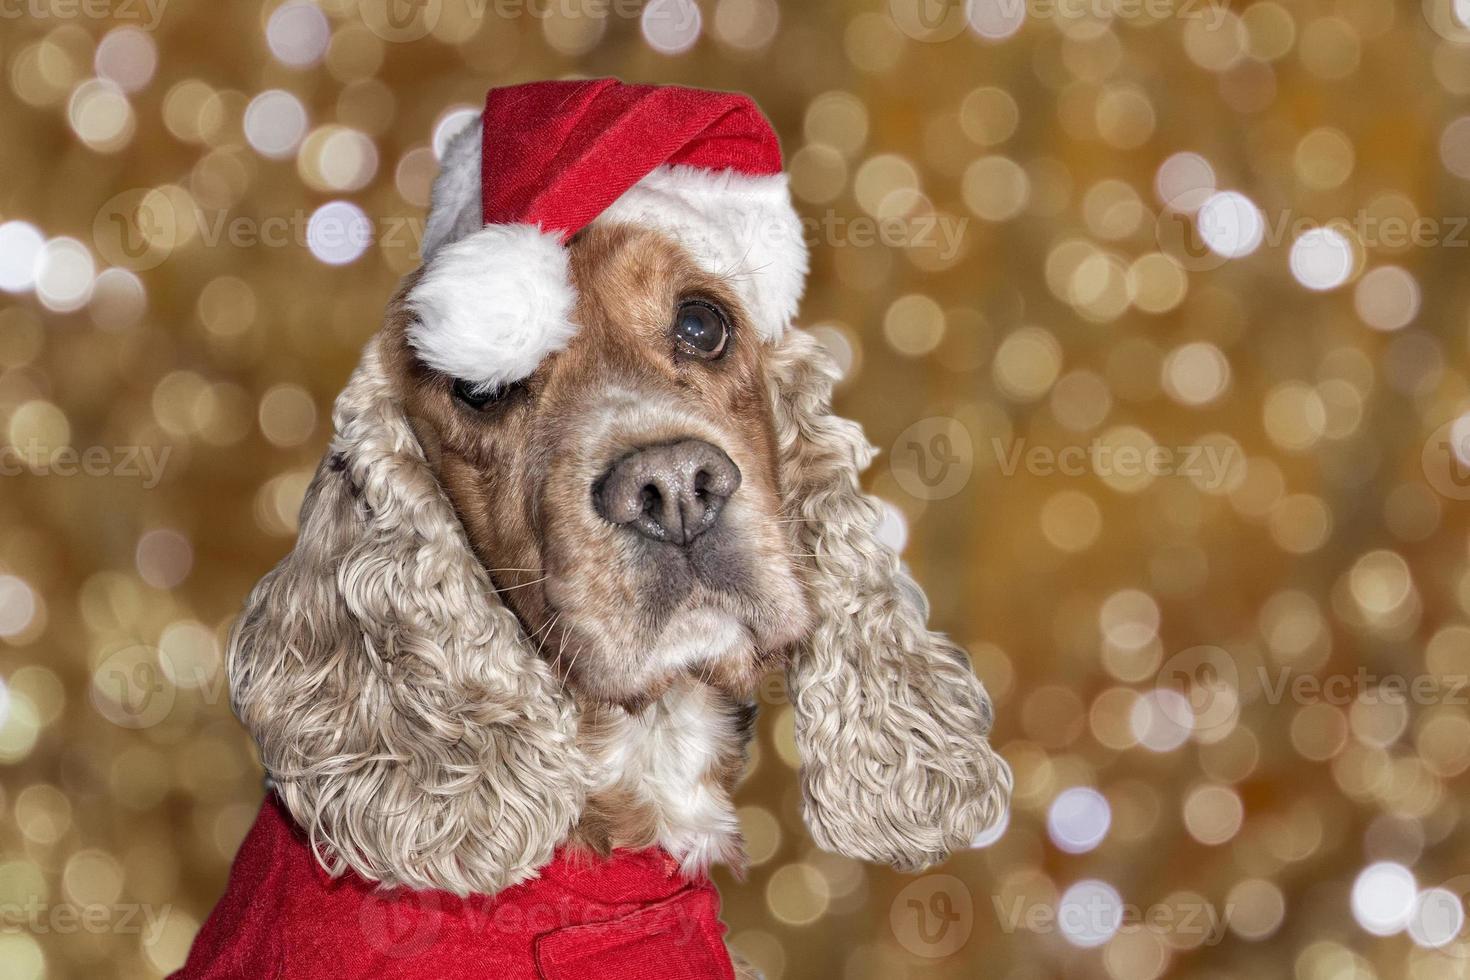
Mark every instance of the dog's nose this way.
pixel 670 493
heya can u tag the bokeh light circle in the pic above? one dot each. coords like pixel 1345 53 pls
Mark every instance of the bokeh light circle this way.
pixel 1321 259
pixel 1230 224
pixel 1383 898
pixel 1090 913
pixel 1078 819
pixel 297 33
pixel 338 232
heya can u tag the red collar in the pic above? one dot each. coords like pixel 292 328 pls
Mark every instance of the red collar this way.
pixel 632 916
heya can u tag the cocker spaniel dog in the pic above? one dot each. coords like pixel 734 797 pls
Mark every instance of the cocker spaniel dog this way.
pixel 586 489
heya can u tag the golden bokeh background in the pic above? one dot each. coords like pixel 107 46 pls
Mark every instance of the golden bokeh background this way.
pixel 1158 309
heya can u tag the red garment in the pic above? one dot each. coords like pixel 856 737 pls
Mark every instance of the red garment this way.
pixel 556 154
pixel 633 916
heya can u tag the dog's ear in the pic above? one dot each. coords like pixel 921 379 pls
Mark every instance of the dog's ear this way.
pixel 400 714
pixel 891 722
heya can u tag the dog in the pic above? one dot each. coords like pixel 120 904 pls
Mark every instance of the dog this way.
pixel 525 621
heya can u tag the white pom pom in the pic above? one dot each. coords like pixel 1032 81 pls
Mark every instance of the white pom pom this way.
pixel 492 305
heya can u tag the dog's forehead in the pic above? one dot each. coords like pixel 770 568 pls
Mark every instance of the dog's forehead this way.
pixel 614 260
pixel 631 279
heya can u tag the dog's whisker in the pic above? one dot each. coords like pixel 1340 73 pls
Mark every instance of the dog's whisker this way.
pixel 740 264
pixel 545 633
pixel 522 585
pixel 541 629
pixel 573 665
pixel 803 520
pixel 827 554
pixel 751 273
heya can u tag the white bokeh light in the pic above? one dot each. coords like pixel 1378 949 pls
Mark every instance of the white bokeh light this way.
pixel 1230 224
pixel 1460 438
pixel 20 248
pixel 893 529
pixel 1383 898
pixel 347 159
pixel 1078 819
pixel 1387 298
pixel 1197 373
pixel 1437 918
pixel 1161 720
pixel 1129 619
pixel 996 20
pixel 17 606
pixel 1321 259
pixel 1454 147
pixel 338 232
pixel 994 832
pixel 127 57
pixel 118 299
pixel 1090 913
pixel 298 34
pixel 164 557
pixel 1184 182
pixel 671 26
pixel 449 125
pixel 275 122
pixel 834 339
pixel 65 275
pixel 100 115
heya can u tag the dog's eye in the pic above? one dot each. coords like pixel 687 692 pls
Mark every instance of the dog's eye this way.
pixel 478 396
pixel 700 329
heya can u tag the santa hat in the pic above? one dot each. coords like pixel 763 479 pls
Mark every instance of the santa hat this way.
pixel 547 159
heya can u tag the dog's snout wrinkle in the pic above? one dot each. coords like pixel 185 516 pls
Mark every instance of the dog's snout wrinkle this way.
pixel 671 493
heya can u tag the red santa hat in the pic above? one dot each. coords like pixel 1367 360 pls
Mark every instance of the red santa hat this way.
pixel 547 159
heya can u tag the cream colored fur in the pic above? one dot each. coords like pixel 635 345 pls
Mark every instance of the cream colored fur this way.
pixel 891 722
pixel 399 711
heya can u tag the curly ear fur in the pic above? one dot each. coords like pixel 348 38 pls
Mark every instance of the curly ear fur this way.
pixel 399 712
pixel 891 722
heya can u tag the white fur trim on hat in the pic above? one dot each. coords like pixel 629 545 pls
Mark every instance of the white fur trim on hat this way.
pixel 736 226
pixel 454 201
pixel 492 305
